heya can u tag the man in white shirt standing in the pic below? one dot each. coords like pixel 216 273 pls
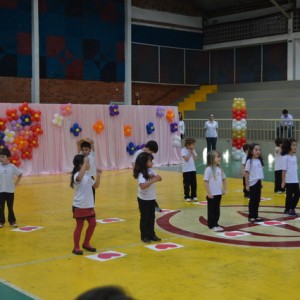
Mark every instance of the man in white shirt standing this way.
pixel 286 125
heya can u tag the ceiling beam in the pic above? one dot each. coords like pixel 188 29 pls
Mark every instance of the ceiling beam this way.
pixel 281 9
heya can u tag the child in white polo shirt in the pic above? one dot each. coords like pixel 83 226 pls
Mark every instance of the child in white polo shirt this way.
pixel 216 186
pixel 189 156
pixel 254 175
pixel 83 202
pixel 290 176
pixel 8 172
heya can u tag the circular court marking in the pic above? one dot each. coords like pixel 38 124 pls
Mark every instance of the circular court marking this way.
pixel 277 230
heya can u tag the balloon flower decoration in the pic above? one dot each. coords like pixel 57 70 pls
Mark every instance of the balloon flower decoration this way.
pixel 16 125
pixel 66 109
pixel 131 148
pixel 9 136
pixel 26 120
pixel 127 130
pixel 19 132
pixel 12 114
pixel 150 128
pixel 98 126
pixel 3 124
pixel 25 109
pixel 35 115
pixel 176 141
pixel 57 120
pixel 170 115
pixel 139 147
pixel 14 159
pixel 160 111
pixel 174 127
pixel 114 110
pixel 239 127
pixel 75 129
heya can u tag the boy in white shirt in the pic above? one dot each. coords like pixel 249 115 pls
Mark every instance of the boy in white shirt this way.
pixel 8 172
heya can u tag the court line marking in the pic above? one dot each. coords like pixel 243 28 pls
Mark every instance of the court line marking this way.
pixel 19 289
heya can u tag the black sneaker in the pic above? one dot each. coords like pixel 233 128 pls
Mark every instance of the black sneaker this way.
pixel 146 240
pixel 252 220
pixel 155 239
pixel 258 219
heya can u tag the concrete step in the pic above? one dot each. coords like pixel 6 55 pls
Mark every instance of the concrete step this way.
pixel 252 113
pixel 256 95
pixel 289 104
pixel 257 86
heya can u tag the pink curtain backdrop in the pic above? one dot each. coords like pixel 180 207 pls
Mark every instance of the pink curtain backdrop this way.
pixel 57 145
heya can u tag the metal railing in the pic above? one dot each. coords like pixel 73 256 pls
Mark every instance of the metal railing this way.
pixel 257 130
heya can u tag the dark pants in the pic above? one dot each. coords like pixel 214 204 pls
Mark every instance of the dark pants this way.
pixel 255 193
pixel 246 193
pixel 94 191
pixel 292 196
pixel 190 184
pixel 277 182
pixel 9 199
pixel 213 211
pixel 285 131
pixel 211 143
pixel 147 220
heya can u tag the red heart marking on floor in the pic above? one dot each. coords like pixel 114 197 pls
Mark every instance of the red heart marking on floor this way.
pixel 108 255
pixel 110 220
pixel 272 223
pixel 30 228
pixel 165 246
pixel 233 233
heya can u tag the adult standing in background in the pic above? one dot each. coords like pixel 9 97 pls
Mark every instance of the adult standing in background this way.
pixel 181 125
pixel 211 134
pixel 286 124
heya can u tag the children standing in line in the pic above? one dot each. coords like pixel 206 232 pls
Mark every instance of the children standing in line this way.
pixel 150 147
pixel 254 175
pixel 189 156
pixel 86 147
pixel 146 195
pixel 8 172
pixel 83 202
pixel 290 176
pixel 216 186
pixel 278 166
pixel 244 158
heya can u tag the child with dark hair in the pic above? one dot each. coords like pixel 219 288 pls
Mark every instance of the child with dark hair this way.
pixel 254 175
pixel 189 156
pixel 83 202
pixel 278 166
pixel 244 158
pixel 150 147
pixel 216 186
pixel 8 172
pixel 290 176
pixel 86 147
pixel 146 195
pixel 105 293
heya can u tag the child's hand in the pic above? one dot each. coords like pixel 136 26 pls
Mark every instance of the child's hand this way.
pixel 158 178
pixel 247 188
pixel 224 192
pixel 99 171
pixel 210 196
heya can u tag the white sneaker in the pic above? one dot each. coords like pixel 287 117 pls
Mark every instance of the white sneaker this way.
pixel 1 225
pixel 217 229
pixel 188 200
pixel 14 225
pixel 195 199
